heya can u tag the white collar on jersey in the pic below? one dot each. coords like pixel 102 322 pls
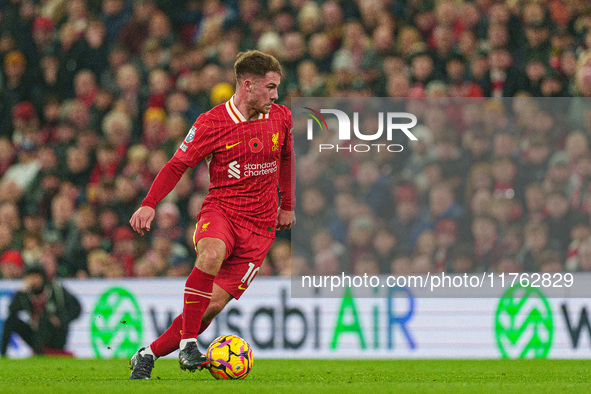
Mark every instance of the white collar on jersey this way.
pixel 235 114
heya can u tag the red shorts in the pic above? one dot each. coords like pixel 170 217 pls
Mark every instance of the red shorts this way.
pixel 245 250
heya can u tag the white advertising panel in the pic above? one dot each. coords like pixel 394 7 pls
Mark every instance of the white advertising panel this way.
pixel 120 316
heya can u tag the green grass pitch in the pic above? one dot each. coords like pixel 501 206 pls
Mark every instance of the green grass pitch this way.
pixel 55 375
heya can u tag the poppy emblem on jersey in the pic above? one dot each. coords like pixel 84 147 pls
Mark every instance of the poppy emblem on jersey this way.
pixel 255 145
pixel 191 135
pixel 204 227
pixel 275 139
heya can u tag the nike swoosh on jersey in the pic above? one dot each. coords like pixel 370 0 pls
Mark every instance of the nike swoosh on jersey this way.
pixel 192 302
pixel 241 288
pixel 233 145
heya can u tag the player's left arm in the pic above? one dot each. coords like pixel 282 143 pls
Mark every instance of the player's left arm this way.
pixel 287 172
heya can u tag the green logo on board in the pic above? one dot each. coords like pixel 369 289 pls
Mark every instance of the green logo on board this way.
pixel 116 324
pixel 523 324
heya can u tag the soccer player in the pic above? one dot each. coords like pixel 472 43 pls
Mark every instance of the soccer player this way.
pixel 248 146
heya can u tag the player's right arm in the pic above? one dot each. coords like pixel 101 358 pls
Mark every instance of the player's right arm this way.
pixel 163 184
pixel 196 146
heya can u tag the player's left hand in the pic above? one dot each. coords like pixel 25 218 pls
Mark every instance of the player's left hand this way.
pixel 285 219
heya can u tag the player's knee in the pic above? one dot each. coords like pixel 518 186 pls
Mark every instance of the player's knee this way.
pixel 209 260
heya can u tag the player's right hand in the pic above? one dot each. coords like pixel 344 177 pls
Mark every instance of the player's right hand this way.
pixel 142 219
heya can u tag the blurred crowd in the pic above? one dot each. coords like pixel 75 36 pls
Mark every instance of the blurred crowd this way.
pixel 489 185
pixel 96 95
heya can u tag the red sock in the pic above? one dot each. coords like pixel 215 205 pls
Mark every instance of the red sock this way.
pixel 198 290
pixel 169 341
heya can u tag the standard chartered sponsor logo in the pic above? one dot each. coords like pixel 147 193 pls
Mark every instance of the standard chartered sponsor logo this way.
pixel 260 169
pixel 116 324
pixel 251 169
pixel 234 170
pixel 523 324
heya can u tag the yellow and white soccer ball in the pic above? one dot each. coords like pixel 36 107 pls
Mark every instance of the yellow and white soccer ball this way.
pixel 230 357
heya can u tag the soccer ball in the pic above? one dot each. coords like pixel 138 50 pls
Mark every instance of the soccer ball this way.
pixel 230 357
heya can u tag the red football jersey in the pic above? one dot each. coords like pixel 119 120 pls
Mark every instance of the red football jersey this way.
pixel 245 159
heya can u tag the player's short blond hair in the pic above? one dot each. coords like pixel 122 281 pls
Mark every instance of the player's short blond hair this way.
pixel 255 63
